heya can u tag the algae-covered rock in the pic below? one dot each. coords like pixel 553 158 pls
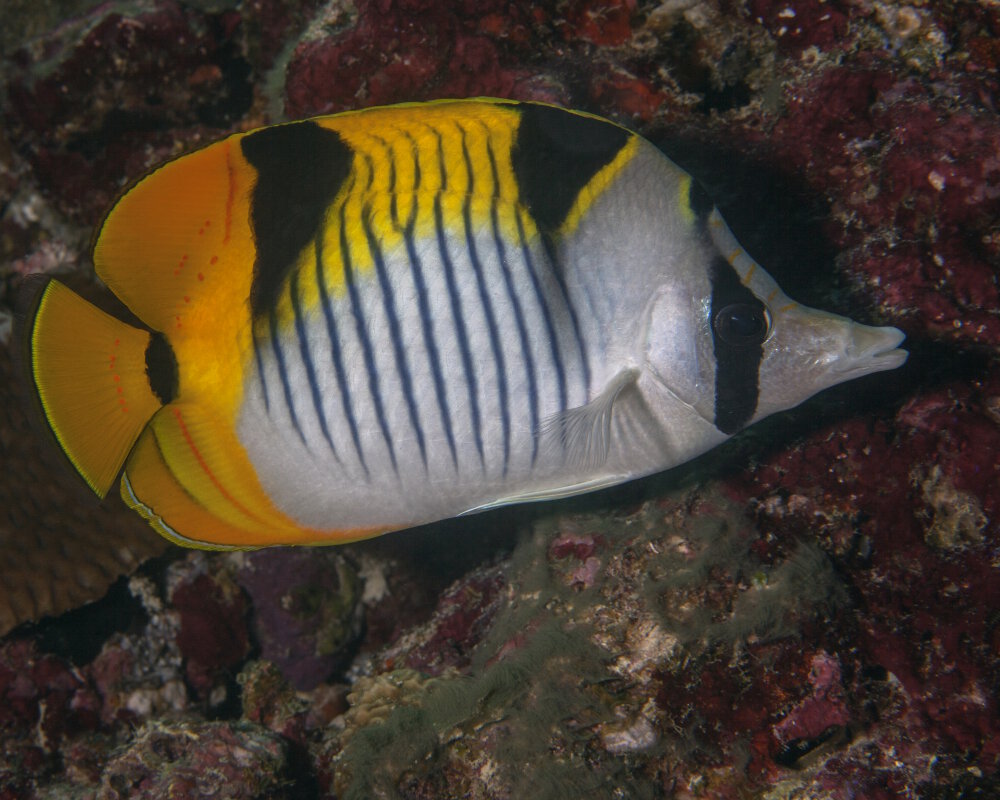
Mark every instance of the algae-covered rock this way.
pixel 193 758
pixel 307 610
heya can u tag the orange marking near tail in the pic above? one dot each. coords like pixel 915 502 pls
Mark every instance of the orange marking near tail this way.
pixel 204 466
pixel 117 378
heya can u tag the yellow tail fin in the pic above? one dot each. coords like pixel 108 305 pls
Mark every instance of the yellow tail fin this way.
pixel 95 376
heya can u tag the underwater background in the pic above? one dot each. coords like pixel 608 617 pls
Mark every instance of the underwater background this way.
pixel 810 611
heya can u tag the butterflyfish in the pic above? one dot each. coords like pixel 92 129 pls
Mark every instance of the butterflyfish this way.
pixel 362 322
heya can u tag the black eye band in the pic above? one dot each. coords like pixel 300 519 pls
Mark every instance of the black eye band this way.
pixel 740 324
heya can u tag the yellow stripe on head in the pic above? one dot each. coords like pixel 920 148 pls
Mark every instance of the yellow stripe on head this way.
pixel 597 185
pixel 684 199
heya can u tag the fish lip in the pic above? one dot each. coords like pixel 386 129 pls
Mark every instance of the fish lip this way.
pixel 889 359
pixel 882 354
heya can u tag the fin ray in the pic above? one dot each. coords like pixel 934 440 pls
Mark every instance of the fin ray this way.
pixel 190 479
pixel 551 493
pixel 89 370
pixel 584 432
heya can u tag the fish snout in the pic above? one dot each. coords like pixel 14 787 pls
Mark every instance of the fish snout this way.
pixel 813 350
pixel 872 349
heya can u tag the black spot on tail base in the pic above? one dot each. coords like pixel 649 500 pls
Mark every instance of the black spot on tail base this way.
pixel 161 368
pixel 737 367
pixel 557 153
pixel 300 168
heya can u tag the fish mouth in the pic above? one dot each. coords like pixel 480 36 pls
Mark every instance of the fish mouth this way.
pixel 873 350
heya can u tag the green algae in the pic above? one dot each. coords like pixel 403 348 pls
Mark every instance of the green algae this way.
pixel 27 19
pixel 535 685
pixel 557 677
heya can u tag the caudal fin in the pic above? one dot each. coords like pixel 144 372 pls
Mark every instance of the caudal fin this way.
pixel 99 380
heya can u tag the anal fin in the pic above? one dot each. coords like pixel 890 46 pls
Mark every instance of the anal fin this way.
pixel 191 479
pixel 151 490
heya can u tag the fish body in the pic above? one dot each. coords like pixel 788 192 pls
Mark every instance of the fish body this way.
pixel 367 321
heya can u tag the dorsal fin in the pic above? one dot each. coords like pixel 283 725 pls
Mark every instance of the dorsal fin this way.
pixel 177 246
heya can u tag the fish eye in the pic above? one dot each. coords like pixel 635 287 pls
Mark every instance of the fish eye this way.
pixel 742 324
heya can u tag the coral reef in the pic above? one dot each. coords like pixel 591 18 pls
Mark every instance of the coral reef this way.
pixel 809 611
pixel 191 758
pixel 307 610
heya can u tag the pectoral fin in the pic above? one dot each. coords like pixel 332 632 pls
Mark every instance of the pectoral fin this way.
pixel 584 432
pixel 582 437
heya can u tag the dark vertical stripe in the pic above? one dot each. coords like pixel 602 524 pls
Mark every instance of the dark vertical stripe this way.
pixel 336 354
pixel 283 372
pixel 461 334
pixel 441 166
pixel 399 352
pixel 300 332
pixel 423 304
pixel 260 371
pixel 416 164
pixel 393 204
pixel 392 176
pixel 361 329
pixel 543 304
pixel 300 168
pixel 484 299
pixel 529 363
pixel 552 256
pixel 699 201
pixel 415 154
pixel 414 210
pixel 555 154
pixel 161 368
pixel 430 344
